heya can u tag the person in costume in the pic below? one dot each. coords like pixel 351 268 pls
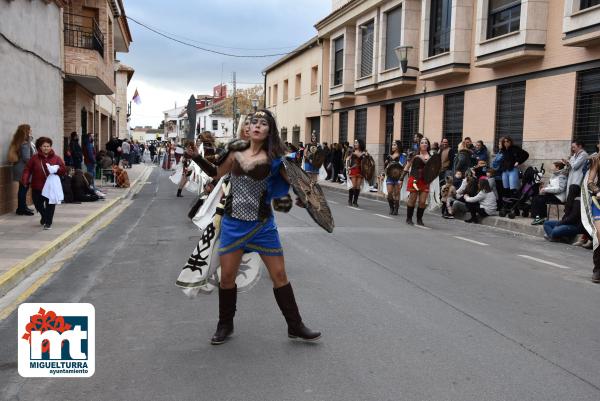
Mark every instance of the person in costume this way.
pixel 417 187
pixel 355 171
pixel 393 186
pixel 590 210
pixel 311 148
pixel 186 160
pixel 257 177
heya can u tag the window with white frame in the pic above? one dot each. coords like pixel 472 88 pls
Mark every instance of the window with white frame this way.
pixel 393 29
pixel 338 60
pixel 366 54
pixel 439 27
pixel 504 16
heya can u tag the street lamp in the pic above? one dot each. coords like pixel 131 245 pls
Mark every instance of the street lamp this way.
pixel 255 104
pixel 402 54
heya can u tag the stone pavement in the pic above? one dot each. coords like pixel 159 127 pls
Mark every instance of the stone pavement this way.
pixel 518 224
pixel 25 245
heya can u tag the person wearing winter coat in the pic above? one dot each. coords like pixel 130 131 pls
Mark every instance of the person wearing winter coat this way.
pixel 462 160
pixel 89 155
pixel 483 204
pixel 82 187
pixel 512 157
pixel 19 152
pixel 75 152
pixel 576 163
pixel 570 225
pixel 553 193
pixel 37 171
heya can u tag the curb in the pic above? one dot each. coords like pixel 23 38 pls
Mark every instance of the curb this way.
pixel 492 221
pixel 11 278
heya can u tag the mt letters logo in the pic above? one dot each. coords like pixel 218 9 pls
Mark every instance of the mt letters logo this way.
pixel 56 340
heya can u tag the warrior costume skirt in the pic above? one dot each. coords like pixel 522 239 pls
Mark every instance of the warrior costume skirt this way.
pixel 391 181
pixel 421 185
pixel 355 172
pixel 310 169
pixel 595 212
pixel 261 237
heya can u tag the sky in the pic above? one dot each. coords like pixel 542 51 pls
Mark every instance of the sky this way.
pixel 167 72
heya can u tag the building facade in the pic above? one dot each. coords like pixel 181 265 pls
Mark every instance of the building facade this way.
pixel 30 78
pixel 294 93
pixel 479 68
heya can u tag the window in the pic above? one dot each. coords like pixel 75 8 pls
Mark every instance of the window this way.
pixel 366 54
pixel 285 90
pixel 298 86
pixel 343 127
pixel 410 123
pixel 360 124
pixel 284 134
pixel 510 111
pixel 439 27
pixel 274 100
pixel 454 107
pixel 587 108
pixel 338 61
pixel 588 3
pixel 504 17
pixel 314 78
pixel 215 125
pixel 393 29
pixel 296 135
pixel 389 127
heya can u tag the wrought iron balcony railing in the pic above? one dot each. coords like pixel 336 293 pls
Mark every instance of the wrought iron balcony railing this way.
pixel 83 32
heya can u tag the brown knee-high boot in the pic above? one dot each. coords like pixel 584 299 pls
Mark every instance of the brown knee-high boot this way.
pixel 287 303
pixel 227 306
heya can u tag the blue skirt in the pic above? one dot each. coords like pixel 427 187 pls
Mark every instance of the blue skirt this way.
pixel 391 181
pixel 595 212
pixel 310 169
pixel 251 236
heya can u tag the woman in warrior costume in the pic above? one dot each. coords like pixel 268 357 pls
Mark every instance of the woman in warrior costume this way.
pixel 417 187
pixel 187 171
pixel 590 197
pixel 257 177
pixel 393 185
pixel 355 172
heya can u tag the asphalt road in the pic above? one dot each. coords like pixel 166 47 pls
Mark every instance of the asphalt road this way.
pixel 406 313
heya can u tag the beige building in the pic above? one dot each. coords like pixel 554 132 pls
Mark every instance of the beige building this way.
pixel 479 68
pixel 294 93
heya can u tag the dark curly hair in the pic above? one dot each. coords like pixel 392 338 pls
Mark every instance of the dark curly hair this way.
pixel 273 145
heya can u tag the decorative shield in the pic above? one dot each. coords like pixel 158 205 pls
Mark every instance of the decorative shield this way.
pixel 311 194
pixel 394 170
pixel 367 167
pixel 316 156
pixel 432 168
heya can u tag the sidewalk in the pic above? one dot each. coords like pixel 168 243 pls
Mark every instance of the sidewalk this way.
pixel 24 245
pixel 518 224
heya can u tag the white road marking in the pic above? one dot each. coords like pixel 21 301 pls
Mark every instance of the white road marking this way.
pixel 545 262
pixel 422 227
pixel 352 207
pixel 385 217
pixel 471 241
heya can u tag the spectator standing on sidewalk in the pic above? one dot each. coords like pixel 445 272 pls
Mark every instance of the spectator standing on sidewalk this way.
pixel 20 151
pixel 513 157
pixel 463 159
pixel 125 151
pixel 576 163
pixel 447 154
pixel 89 155
pixel 75 152
pixel 36 170
pixel 554 192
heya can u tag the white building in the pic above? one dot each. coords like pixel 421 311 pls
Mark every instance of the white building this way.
pixel 175 123
pixel 211 119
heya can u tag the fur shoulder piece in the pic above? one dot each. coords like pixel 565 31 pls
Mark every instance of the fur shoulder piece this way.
pixel 238 145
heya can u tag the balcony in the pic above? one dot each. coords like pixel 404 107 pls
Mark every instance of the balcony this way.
pixel 85 59
pixel 581 23
pixel 83 32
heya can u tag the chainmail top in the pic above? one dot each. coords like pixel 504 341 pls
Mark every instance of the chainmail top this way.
pixel 246 197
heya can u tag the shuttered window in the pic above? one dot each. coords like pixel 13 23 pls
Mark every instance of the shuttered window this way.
pixel 587 108
pixel 284 134
pixel 393 29
pixel 410 122
pixel 389 127
pixel 454 107
pixel 360 125
pixel 439 26
pixel 510 111
pixel 343 127
pixel 366 54
pixel 338 61
pixel 296 135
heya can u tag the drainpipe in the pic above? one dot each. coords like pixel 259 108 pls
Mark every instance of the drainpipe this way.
pixel 424 104
pixel 265 91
